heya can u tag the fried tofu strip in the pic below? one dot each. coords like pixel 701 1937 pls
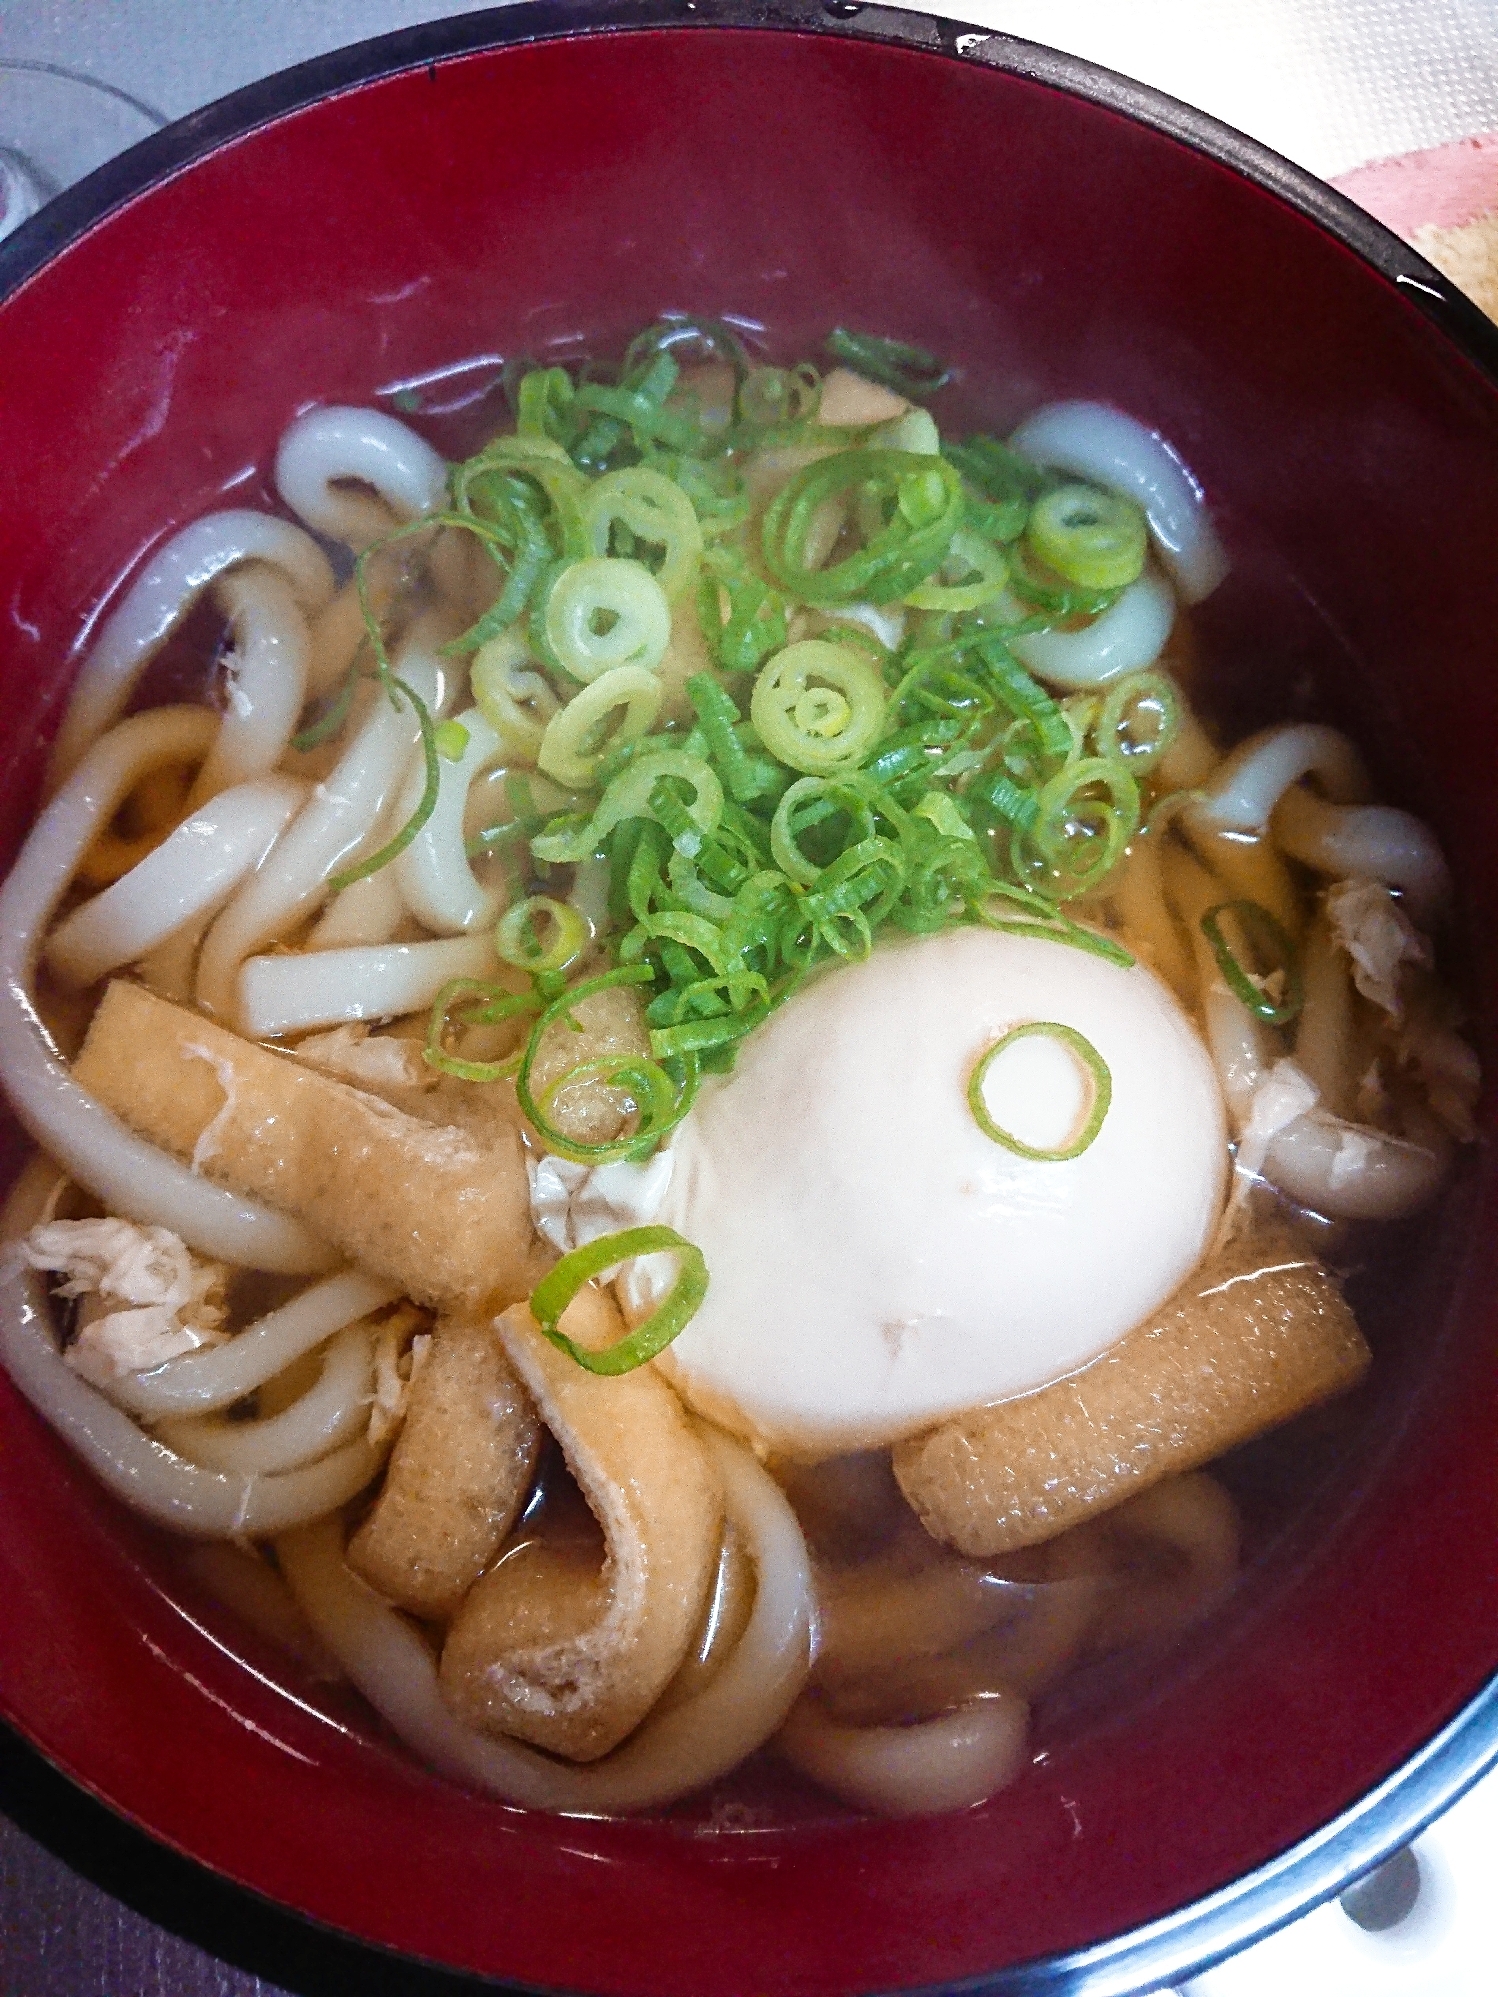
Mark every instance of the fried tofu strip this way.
pixel 550 1647
pixel 604 1026
pixel 458 1475
pixel 1258 1333
pixel 446 1218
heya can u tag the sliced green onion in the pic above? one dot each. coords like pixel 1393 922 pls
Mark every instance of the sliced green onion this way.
pixel 638 792
pixel 426 804
pixel 571 747
pixel 555 1292
pixel 756 621
pixel 969 555
pixel 602 613
pixel 681 330
pixel 452 740
pixel 1084 817
pixel 1004 483
pixel 1048 596
pixel 495 1006
pixel 539 934
pixel 1089 1058
pixel 776 398
pixel 1265 937
pixel 516 700
pixel 940 810
pixel 333 715
pixel 1092 538
pixel 651 509
pixel 819 707
pixel 910 506
pixel 1138 719
pixel 542 403
pixel 908 370
pixel 813 799
pixel 660 1101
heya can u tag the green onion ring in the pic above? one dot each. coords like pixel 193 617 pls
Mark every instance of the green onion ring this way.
pixel 924 502
pixel 656 1116
pixel 568 752
pixel 784 849
pixel 656 511
pixel 910 371
pixel 1093 538
pixel 1265 933
pixel 1150 695
pixel 1091 1060
pixel 819 707
pixel 555 1292
pixel 498 1006
pixel 605 587
pixel 514 698
pixel 975 556
pixel 517 939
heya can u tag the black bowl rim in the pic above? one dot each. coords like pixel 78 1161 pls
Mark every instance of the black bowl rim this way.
pixel 1195 1937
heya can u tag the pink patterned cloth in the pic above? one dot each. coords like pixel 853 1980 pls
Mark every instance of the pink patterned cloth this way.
pixel 1442 188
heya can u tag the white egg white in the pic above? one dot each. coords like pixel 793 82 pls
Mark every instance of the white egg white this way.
pixel 876 1261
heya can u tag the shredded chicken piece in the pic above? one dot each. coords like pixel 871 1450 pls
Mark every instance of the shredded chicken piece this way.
pixel 374 1061
pixel 398 1358
pixel 1372 1104
pixel 1448 1070
pixel 1370 925
pixel 1284 1093
pixel 172 1301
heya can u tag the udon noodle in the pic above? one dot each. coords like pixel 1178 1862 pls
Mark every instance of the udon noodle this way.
pixel 376 1014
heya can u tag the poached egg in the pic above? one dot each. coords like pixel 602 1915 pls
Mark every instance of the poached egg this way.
pixel 876 1262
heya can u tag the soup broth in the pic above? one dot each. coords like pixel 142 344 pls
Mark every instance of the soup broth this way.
pixel 703 1076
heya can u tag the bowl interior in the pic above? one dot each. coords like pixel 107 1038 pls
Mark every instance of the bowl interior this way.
pixel 397 242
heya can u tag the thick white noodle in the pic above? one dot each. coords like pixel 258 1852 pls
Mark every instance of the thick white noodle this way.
pixel 337 633
pixel 267 678
pixel 1129 636
pixel 1325 1033
pixel 332 827
pixel 147 1476
pixel 1095 442
pixel 948 1763
pixel 169 970
pixel 1347 1171
pixel 333 1411
pixel 200 1383
pixel 370 910
pixel 293 993
pixel 132 1178
pixel 1195 1520
pixel 1371 842
pixel 1247 785
pixel 328 454
pixel 885 1612
pixel 670 1755
pixel 185 879
pixel 1351 1172
pixel 436 881
pixel 1241 1046
pixel 173 579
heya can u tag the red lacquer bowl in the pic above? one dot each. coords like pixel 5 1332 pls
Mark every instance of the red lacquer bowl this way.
pixel 496 186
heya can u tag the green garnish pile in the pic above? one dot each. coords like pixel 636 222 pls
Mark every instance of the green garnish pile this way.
pixel 860 749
